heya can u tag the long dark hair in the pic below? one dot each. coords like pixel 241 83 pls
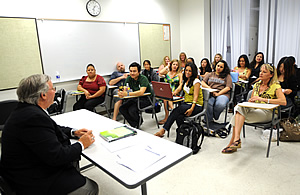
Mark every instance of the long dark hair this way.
pixel 194 74
pixel 245 57
pixel 289 69
pixel 226 70
pixel 253 63
pixel 207 68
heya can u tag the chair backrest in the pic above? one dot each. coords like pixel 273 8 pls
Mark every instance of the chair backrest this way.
pixel 232 92
pixel 206 95
pixel 6 107
pixel 59 103
pixel 249 95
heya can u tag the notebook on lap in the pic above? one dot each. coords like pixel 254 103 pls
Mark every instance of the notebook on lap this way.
pixel 163 90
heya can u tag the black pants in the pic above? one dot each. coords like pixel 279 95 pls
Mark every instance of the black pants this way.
pixel 89 104
pixel 129 110
pixel 178 115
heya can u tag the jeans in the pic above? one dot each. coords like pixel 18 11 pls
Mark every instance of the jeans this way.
pixel 216 106
pixel 178 115
pixel 130 111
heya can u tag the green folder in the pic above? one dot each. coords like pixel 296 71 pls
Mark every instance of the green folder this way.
pixel 117 133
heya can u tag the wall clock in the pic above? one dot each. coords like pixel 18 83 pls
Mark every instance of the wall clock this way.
pixel 93 7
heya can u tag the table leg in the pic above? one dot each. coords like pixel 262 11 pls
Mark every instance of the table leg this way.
pixel 144 189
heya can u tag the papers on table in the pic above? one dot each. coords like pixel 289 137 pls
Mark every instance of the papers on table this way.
pixel 139 157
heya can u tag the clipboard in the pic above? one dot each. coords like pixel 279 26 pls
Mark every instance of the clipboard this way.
pixel 117 133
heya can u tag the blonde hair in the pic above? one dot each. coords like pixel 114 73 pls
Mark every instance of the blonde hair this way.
pixel 164 61
pixel 221 58
pixel 178 69
pixel 272 70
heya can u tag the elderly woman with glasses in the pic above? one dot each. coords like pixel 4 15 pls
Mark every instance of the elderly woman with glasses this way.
pixel 267 90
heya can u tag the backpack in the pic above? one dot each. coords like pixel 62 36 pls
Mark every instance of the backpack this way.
pixel 188 134
pixel 57 106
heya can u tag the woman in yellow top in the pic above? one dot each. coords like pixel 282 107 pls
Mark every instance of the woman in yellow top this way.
pixel 267 90
pixel 193 99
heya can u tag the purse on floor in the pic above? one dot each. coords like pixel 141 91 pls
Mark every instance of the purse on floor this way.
pixel 291 130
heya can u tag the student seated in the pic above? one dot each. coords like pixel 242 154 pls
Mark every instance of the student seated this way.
pixel 193 99
pixel 118 78
pixel 149 72
pixel 174 77
pixel 204 68
pixel 267 90
pixel 218 57
pixel 244 72
pixel 139 85
pixel 220 79
pixel 94 87
pixel 287 79
pixel 255 65
pixel 162 70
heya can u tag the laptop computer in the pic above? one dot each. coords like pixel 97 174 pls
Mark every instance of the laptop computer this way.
pixel 163 90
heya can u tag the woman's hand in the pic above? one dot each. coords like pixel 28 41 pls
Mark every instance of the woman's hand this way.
pixel 256 98
pixel 287 91
pixel 215 94
pixel 189 112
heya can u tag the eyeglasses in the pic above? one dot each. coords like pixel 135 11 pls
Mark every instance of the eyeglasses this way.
pixel 54 88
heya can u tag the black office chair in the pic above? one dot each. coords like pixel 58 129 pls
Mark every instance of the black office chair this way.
pixel 5 188
pixel 59 103
pixel 103 104
pixel 267 125
pixel 6 107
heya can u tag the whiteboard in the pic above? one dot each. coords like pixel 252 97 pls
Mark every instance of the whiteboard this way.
pixel 67 47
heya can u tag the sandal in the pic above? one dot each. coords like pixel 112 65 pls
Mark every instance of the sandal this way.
pixel 159 134
pixel 229 150
pixel 236 144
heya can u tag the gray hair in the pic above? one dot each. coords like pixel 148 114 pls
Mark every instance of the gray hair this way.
pixel 32 87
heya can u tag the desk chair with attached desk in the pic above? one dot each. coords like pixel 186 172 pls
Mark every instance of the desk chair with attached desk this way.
pixel 197 117
pixel 230 101
pixel 151 107
pixel 103 104
pixel 266 125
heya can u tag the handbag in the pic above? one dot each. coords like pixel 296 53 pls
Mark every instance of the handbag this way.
pixel 291 130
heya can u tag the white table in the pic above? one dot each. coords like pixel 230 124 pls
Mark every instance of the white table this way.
pixel 98 153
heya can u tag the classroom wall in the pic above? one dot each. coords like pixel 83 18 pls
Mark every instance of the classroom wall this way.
pixel 184 16
pixel 195 29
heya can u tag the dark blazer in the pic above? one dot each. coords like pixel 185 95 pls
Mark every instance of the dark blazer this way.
pixel 36 153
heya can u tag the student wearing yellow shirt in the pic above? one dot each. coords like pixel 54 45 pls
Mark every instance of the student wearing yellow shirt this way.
pixel 267 90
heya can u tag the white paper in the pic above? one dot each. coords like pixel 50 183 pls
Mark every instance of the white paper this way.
pixel 139 157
